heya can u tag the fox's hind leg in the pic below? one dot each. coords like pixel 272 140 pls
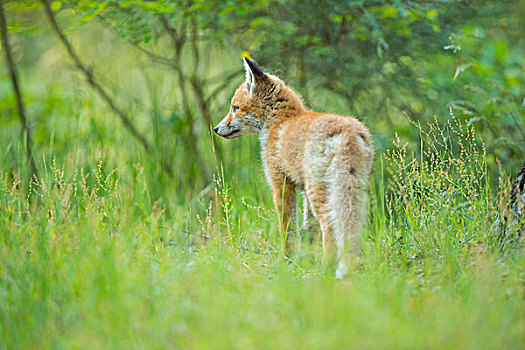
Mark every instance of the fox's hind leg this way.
pixel 284 199
pixel 308 224
pixel 328 242
pixel 317 196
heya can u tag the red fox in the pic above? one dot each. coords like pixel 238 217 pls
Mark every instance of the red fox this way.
pixel 326 156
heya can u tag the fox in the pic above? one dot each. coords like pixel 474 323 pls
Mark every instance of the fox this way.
pixel 327 157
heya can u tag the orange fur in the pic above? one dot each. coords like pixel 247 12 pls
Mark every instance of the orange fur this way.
pixel 325 155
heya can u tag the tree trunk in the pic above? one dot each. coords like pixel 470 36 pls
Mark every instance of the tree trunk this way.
pixel 26 130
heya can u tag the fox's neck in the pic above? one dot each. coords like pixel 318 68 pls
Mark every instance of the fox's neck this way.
pixel 286 104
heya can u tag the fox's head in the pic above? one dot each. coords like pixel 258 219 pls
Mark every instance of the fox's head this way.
pixel 251 104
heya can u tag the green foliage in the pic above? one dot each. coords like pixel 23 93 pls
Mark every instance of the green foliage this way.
pixel 90 261
pixel 107 250
pixel 383 58
pixel 376 60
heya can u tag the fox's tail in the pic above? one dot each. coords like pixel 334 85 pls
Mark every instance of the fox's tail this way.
pixel 346 194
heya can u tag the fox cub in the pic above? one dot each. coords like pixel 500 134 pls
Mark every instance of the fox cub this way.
pixel 326 156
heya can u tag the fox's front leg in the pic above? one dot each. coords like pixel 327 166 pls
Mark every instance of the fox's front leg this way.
pixel 284 199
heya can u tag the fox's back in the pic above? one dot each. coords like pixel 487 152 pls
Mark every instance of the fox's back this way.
pixel 302 146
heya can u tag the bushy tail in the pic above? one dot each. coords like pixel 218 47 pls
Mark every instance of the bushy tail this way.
pixel 348 180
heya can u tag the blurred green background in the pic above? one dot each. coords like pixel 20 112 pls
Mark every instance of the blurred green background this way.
pixel 172 66
pixel 143 230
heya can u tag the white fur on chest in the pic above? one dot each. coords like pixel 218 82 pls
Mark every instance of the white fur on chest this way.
pixel 263 140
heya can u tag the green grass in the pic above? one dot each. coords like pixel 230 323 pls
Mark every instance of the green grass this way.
pixel 103 250
pixel 89 260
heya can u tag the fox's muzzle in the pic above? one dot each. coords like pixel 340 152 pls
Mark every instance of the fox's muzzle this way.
pixel 228 130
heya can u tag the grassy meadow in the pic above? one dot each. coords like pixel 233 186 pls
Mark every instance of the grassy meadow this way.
pixel 102 250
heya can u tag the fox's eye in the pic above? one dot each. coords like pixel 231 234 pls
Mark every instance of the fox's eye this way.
pixel 235 108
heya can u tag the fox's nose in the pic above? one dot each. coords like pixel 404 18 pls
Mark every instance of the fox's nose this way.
pixel 216 129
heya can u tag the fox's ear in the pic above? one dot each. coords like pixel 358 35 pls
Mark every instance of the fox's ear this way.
pixel 254 74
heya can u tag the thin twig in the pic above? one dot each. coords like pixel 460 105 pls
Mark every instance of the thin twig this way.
pixel 178 41
pixel 155 57
pixel 88 73
pixel 175 37
pixel 196 234
pixel 227 81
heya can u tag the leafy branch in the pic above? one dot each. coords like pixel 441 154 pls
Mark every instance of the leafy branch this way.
pixel 88 74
